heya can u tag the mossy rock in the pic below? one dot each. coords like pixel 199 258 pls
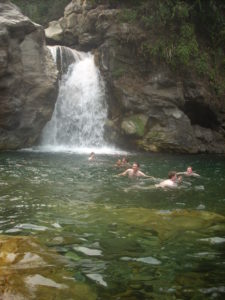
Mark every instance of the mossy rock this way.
pixel 135 125
pixel 155 136
pixel 164 224
pixel 25 272
pixel 152 141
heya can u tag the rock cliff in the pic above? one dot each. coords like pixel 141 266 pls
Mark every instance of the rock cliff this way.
pixel 28 79
pixel 150 108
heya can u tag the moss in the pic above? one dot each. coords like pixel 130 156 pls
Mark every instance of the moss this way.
pixel 135 124
pixel 118 72
pixel 154 136
pixel 185 36
pixel 127 15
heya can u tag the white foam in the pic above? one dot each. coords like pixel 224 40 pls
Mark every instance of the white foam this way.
pixel 77 150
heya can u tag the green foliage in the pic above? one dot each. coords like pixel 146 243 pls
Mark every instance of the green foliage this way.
pixel 118 3
pixel 42 11
pixel 186 35
pixel 180 11
pixel 202 64
pixel 128 15
pixel 186 46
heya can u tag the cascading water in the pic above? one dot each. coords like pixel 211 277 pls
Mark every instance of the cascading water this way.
pixel 80 111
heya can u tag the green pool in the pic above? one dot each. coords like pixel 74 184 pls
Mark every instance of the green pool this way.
pixel 70 229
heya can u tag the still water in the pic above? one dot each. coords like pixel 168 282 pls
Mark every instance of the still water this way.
pixel 75 231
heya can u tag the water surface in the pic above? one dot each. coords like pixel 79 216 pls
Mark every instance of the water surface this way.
pixel 122 238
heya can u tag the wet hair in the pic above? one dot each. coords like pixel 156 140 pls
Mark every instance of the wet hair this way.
pixel 171 174
pixel 125 159
pixel 136 163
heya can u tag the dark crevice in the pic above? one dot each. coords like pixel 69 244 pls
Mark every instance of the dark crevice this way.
pixel 200 114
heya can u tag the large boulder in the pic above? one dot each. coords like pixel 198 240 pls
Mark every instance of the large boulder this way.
pixel 181 112
pixel 28 79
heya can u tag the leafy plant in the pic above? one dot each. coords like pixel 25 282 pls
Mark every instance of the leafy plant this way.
pixel 128 15
pixel 42 11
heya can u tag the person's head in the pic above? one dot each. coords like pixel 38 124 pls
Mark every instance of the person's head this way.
pixel 118 162
pixel 135 166
pixel 92 154
pixel 124 160
pixel 172 175
pixel 189 170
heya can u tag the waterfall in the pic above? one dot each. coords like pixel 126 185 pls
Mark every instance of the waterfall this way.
pixel 80 110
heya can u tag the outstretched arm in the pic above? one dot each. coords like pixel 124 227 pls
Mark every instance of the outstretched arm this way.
pixel 181 173
pixel 124 173
pixel 144 175
pixel 195 174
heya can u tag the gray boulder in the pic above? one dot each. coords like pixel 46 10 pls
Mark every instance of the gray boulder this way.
pixel 28 79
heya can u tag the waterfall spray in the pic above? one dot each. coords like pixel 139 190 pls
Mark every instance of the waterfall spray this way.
pixel 80 111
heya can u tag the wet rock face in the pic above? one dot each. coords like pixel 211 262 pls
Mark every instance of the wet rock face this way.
pixel 28 79
pixel 180 114
pixel 174 122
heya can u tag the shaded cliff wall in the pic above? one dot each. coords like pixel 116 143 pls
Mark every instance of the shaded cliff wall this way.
pixel 28 79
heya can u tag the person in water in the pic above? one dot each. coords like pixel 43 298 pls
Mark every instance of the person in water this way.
pixel 134 172
pixel 118 164
pixel 125 162
pixel 189 173
pixel 92 156
pixel 171 182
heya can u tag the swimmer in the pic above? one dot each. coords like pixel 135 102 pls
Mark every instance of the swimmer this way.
pixel 125 162
pixel 118 164
pixel 134 172
pixel 189 173
pixel 92 156
pixel 171 182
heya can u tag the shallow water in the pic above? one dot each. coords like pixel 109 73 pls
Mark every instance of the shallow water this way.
pixel 123 238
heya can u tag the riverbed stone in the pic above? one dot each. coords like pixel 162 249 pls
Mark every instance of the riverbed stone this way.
pixel 25 272
pixel 166 224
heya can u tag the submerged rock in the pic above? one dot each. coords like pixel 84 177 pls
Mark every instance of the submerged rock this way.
pixel 167 224
pixel 30 271
pixel 97 278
